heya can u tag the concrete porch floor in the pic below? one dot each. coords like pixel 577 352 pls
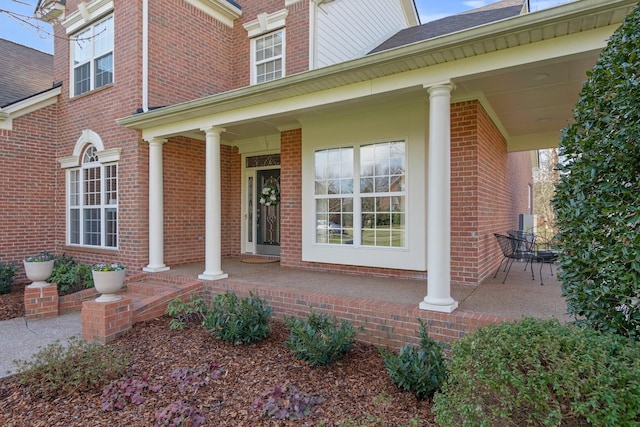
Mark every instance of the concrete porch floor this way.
pixel 519 296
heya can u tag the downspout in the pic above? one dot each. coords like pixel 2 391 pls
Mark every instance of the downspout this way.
pixel 145 55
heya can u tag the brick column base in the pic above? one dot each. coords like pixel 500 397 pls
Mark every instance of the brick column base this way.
pixel 103 322
pixel 40 303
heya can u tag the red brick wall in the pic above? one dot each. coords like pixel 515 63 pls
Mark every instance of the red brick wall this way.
pixel 28 176
pixel 385 323
pixel 190 53
pixel 231 177
pixel 98 110
pixel 488 191
pixel 297 38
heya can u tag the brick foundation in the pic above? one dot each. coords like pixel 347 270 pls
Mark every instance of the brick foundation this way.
pixel 384 323
pixel 41 303
pixel 103 322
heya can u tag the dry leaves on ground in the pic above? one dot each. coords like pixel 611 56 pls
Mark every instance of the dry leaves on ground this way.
pixel 12 304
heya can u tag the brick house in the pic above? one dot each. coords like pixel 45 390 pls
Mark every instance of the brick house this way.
pixel 392 148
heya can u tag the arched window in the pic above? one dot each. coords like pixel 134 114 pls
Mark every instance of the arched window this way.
pixel 93 202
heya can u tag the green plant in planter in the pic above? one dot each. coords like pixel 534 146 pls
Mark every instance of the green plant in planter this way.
pixel 108 267
pixel 7 275
pixel 43 257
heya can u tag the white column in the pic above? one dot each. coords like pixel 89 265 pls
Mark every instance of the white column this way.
pixel 213 215
pixel 156 210
pixel 439 203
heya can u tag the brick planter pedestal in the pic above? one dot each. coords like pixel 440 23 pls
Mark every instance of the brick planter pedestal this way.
pixel 103 322
pixel 40 303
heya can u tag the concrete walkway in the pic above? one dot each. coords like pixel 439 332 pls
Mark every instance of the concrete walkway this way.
pixel 21 339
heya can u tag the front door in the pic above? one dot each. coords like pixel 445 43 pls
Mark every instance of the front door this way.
pixel 263 219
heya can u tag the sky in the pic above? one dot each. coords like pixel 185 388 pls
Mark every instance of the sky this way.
pixel 28 34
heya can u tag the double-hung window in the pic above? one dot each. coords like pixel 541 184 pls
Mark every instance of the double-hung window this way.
pixel 93 203
pixel 360 195
pixel 92 57
pixel 268 57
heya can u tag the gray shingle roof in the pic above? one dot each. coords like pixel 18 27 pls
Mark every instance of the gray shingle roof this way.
pixel 451 24
pixel 23 72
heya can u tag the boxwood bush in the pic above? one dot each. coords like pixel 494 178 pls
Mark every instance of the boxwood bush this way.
pixel 539 372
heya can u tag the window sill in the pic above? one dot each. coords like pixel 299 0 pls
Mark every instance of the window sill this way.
pixel 91 92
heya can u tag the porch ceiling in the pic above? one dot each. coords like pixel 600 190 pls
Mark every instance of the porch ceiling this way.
pixel 527 71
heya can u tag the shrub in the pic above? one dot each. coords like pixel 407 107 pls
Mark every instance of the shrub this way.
pixel 286 403
pixel 182 312
pixel 7 275
pixel 239 321
pixel 71 276
pixel 120 392
pixel 180 414
pixel 539 372
pixel 597 201
pixel 418 370
pixel 78 365
pixel 320 339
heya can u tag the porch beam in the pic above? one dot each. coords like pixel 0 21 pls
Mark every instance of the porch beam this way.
pixel 213 200
pixel 438 296
pixel 156 210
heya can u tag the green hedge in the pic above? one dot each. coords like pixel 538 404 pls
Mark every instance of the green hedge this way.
pixel 539 372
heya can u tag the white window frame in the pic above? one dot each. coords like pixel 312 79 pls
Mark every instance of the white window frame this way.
pixel 255 63
pixel 77 202
pixel 356 195
pixel 74 165
pixel 86 38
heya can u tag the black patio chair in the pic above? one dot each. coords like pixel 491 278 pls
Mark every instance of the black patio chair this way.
pixel 531 251
pixel 511 251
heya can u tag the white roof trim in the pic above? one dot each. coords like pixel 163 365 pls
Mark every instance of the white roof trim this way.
pixel 265 23
pixel 87 13
pixel 26 106
pixel 221 10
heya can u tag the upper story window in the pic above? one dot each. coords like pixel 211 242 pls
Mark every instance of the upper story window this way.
pixel 92 57
pixel 268 57
pixel 360 195
pixel 268 48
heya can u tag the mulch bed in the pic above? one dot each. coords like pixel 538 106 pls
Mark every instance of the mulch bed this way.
pixel 356 391
pixel 12 304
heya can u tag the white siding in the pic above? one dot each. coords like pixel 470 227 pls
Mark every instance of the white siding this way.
pixel 347 29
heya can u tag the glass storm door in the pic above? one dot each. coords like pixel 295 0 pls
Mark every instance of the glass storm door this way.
pixel 266 212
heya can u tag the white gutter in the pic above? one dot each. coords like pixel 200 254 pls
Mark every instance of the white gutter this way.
pixel 145 55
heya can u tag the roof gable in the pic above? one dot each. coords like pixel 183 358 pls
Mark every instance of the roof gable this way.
pixel 451 24
pixel 23 72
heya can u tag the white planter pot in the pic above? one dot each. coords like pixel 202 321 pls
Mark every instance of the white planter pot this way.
pixel 108 283
pixel 38 273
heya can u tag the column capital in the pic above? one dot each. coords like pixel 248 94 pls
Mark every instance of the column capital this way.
pixel 213 130
pixel 156 141
pixel 440 88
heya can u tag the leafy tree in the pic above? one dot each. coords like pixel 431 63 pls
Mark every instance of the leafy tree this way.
pixel 597 200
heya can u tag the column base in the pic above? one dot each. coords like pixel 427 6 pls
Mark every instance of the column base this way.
pixel 442 305
pixel 155 269
pixel 40 302
pixel 212 275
